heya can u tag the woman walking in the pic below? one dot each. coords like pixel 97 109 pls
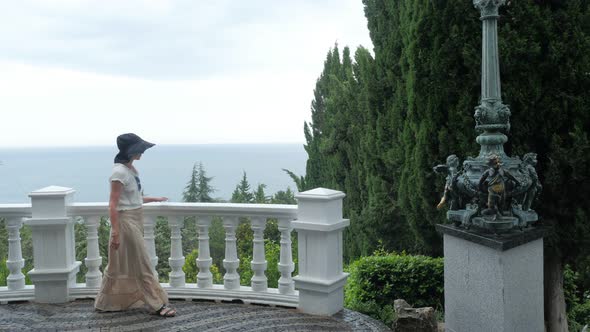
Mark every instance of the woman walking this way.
pixel 128 280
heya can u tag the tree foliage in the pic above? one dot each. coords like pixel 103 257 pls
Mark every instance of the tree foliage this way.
pixel 379 123
pixel 198 188
pixel 242 193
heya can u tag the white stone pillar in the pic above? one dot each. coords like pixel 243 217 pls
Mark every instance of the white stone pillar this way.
pixel 231 279
pixel 176 260
pixel 54 254
pixel 259 281
pixel 204 261
pixel 15 261
pixel 149 223
pixel 493 283
pixel 319 226
pixel 286 266
pixel 93 259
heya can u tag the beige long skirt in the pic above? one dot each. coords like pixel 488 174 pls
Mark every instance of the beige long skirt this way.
pixel 128 281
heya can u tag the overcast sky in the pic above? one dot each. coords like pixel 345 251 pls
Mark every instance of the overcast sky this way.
pixel 80 72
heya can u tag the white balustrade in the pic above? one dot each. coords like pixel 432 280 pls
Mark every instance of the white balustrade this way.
pixel 204 261
pixel 15 262
pixel 286 266
pixel 176 260
pixel 231 279
pixel 310 224
pixel 259 281
pixel 93 260
pixel 149 222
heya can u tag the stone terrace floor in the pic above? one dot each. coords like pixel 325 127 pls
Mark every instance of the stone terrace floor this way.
pixel 191 316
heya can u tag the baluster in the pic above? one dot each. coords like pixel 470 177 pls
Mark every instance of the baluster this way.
pixel 204 261
pixel 15 261
pixel 93 260
pixel 176 260
pixel 150 241
pixel 259 281
pixel 231 279
pixel 286 266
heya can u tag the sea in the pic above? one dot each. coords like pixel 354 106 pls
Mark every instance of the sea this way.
pixel 164 170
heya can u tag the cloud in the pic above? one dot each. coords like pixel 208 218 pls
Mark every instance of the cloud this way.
pixel 80 72
pixel 62 107
pixel 173 39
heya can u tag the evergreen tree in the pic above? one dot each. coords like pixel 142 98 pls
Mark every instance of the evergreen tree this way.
pixel 204 188
pixel 259 195
pixel 299 181
pixel 198 188
pixel 191 189
pixel 377 130
pixel 242 192
pixel 283 197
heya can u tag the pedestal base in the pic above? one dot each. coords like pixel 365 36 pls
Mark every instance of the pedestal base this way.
pixel 321 297
pixel 494 283
pixel 53 286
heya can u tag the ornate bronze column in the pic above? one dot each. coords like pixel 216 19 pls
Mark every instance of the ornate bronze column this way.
pixel 491 191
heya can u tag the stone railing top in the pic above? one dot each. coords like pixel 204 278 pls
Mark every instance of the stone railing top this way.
pixel 223 209
pixel 320 194
pixel 169 209
pixel 195 209
pixel 15 210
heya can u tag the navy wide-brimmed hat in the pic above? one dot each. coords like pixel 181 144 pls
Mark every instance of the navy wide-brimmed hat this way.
pixel 130 145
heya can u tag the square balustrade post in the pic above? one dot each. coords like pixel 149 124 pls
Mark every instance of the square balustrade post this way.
pixel 54 251
pixel 319 226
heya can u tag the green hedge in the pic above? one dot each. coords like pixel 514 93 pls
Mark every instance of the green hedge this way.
pixel 376 281
pixel 577 300
pixel 4 272
pixel 579 316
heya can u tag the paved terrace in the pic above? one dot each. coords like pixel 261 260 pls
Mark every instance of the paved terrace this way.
pixel 191 316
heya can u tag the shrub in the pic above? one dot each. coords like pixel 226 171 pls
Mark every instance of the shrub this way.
pixel 4 272
pixel 191 270
pixel 580 315
pixel 577 302
pixel 376 281
pixel 384 313
pixel 272 252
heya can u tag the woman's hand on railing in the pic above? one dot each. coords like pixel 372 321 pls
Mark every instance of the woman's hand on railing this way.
pixel 154 199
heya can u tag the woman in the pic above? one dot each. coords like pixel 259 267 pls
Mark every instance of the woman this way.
pixel 128 280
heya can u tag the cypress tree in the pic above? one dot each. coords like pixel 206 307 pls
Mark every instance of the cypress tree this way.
pixel 378 129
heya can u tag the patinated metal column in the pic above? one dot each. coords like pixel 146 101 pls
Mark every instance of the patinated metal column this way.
pixel 492 191
pixel 493 275
pixel 491 116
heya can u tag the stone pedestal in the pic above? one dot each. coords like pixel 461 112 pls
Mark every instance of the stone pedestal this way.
pixel 54 251
pixel 493 283
pixel 319 227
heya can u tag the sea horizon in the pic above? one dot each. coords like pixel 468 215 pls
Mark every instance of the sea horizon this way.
pixel 164 169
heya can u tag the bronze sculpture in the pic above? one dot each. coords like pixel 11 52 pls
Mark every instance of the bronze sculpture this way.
pixel 497 182
pixel 450 194
pixel 492 191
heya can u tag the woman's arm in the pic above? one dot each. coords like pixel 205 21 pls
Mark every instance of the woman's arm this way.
pixel 116 188
pixel 147 199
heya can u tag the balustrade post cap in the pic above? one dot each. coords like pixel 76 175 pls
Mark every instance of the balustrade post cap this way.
pixel 323 194
pixel 52 191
